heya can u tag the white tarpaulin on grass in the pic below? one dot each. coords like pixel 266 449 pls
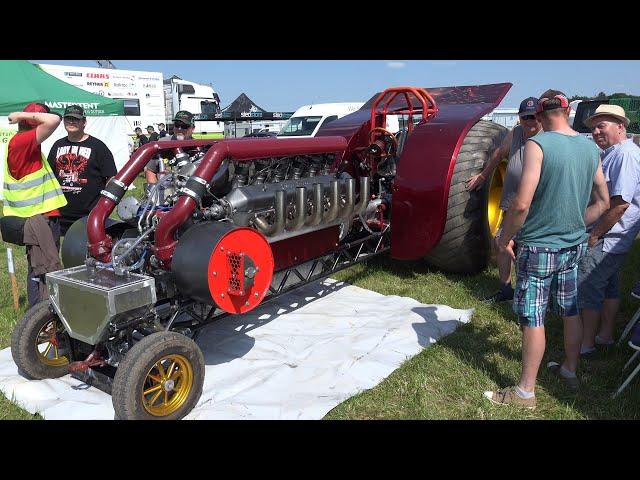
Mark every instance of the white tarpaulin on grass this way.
pixel 294 358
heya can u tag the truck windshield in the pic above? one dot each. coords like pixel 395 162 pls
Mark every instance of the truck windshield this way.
pixel 298 126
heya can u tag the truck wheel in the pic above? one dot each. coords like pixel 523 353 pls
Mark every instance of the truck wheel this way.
pixel 160 377
pixel 472 217
pixel 40 344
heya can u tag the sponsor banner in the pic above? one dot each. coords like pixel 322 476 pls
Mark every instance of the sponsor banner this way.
pixel 6 134
pixel 90 109
pixel 229 116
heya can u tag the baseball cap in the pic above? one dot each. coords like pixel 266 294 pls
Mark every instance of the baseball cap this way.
pixel 184 117
pixel 35 108
pixel 75 111
pixel 528 106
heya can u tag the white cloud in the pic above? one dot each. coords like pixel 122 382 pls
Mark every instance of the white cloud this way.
pixel 396 65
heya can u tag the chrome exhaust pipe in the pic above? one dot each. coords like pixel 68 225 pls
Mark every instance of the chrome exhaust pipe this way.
pixel 364 196
pixel 318 206
pixel 334 203
pixel 347 211
pixel 278 225
pixel 300 210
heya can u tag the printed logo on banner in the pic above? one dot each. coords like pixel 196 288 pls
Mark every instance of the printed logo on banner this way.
pixel 98 75
pixel 72 74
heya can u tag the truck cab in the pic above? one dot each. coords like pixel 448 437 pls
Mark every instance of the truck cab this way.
pixel 201 100
pixel 307 120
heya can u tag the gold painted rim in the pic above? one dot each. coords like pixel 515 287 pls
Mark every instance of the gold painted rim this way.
pixel 167 385
pixel 47 344
pixel 494 213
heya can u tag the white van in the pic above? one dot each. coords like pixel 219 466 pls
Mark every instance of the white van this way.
pixel 307 120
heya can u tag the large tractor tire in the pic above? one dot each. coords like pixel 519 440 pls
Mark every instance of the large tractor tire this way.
pixel 472 217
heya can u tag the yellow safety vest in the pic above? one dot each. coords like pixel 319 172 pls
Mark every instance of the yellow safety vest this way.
pixel 38 192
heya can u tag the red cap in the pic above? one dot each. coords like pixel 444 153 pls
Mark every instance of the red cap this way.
pixel 36 108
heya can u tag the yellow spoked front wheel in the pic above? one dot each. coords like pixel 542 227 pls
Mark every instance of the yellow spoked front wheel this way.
pixel 160 377
pixel 48 344
pixel 40 344
pixel 167 385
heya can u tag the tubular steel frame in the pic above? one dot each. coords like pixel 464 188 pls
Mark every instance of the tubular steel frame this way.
pixel 345 256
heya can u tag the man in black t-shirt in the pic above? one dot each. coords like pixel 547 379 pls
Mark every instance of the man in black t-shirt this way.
pixel 140 138
pixel 153 135
pixel 82 164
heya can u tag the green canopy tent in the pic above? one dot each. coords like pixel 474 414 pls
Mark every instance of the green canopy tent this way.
pixel 21 83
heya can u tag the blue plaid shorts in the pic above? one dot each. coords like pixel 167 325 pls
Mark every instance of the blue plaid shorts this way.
pixel 541 271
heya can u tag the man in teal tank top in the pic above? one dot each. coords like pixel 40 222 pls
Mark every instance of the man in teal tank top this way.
pixel 561 172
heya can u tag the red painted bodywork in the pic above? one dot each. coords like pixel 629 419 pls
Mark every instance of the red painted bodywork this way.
pixel 295 250
pixel 421 186
pixel 244 242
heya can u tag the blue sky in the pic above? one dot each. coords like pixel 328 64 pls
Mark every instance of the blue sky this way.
pixel 284 85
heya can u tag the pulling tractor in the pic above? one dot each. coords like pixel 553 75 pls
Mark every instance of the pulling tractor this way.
pixel 235 223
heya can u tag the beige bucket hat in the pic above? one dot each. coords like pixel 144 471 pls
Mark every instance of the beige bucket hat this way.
pixel 610 110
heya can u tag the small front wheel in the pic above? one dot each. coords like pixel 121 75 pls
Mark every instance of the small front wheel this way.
pixel 40 344
pixel 160 377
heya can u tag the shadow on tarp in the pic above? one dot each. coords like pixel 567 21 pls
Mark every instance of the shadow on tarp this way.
pixel 232 330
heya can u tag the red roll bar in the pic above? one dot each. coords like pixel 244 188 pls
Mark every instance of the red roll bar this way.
pixel 429 107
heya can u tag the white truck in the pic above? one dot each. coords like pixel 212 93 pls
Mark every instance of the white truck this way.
pixel 196 98
pixel 148 99
pixel 307 120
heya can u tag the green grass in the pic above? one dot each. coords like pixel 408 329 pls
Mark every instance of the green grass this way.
pixel 446 380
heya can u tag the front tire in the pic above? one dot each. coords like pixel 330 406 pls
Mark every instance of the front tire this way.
pixel 160 377
pixel 472 217
pixel 40 344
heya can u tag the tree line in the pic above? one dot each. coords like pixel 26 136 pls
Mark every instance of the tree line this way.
pixel 602 96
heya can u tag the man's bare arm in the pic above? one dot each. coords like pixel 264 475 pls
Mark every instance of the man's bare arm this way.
pixel 47 122
pixel 617 207
pixel 519 206
pixel 599 202
pixel 476 182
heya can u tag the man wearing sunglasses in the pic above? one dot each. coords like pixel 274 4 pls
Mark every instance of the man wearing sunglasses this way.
pixel 613 234
pixel 82 164
pixel 561 173
pixel 511 147
pixel 183 127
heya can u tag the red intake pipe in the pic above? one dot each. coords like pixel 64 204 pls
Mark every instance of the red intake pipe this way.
pixel 238 150
pixel 99 243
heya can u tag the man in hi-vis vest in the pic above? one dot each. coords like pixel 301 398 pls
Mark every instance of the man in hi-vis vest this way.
pixel 30 187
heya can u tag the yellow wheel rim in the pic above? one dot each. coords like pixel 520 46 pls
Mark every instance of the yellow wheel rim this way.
pixel 494 213
pixel 167 385
pixel 47 344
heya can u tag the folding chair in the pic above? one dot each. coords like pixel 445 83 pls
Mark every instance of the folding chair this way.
pixel 636 346
pixel 629 326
